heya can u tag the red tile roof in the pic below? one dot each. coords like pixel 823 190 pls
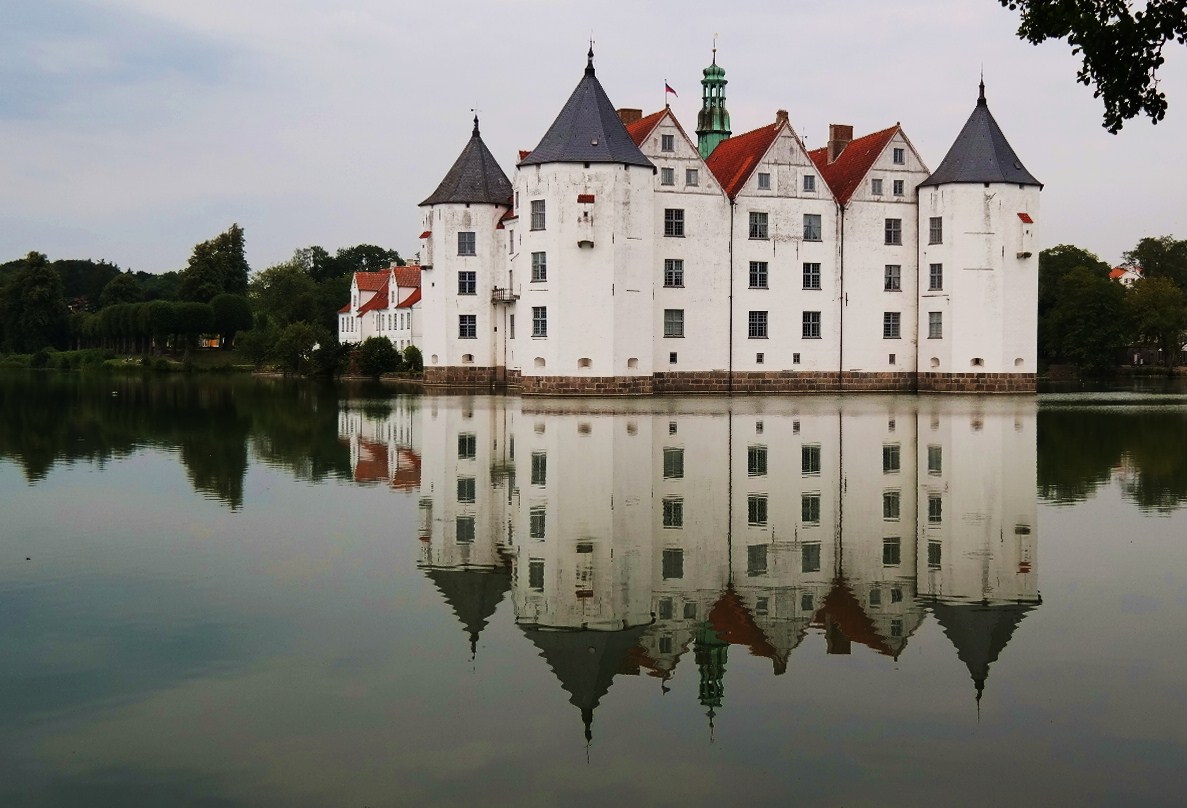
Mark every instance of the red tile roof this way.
pixel 345 309
pixel 735 158
pixel 1115 273
pixel 1026 218
pixel 845 174
pixel 378 302
pixel 371 281
pixel 425 234
pixel 408 277
pixel 524 153
pixel 411 300
pixel 640 129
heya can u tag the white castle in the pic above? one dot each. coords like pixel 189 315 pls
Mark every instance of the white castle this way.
pixel 638 260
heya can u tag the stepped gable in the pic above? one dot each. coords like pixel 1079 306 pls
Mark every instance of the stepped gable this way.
pixel 844 175
pixel 587 130
pixel 981 154
pixel 472 594
pixel 980 632
pixel 842 610
pixel 586 662
pixel 734 624
pixel 735 158
pixel 474 178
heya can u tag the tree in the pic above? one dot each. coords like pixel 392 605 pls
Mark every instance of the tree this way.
pixel 285 293
pixel 230 314
pixel 413 360
pixel 1160 257
pixel 33 311
pixel 1054 263
pixel 216 266
pixel 190 320
pixel 364 258
pixel 123 288
pixel 1087 325
pixel 1120 47
pixel 1158 313
pixel 256 345
pixel 295 344
pixel 377 355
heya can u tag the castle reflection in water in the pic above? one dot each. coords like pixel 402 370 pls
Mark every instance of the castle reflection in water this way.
pixel 633 536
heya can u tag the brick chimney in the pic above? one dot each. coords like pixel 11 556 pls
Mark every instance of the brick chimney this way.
pixel 629 116
pixel 839 136
pixel 780 116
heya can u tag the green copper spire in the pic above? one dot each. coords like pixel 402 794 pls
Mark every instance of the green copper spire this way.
pixel 713 121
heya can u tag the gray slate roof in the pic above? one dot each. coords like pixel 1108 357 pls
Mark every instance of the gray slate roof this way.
pixel 475 177
pixel 587 130
pixel 981 154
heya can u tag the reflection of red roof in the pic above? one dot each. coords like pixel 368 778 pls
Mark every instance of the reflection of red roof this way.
pixel 371 281
pixel 845 174
pixel 841 609
pixel 732 621
pixel 372 465
pixel 408 277
pixel 735 158
pixel 411 300
pixel 640 129
pixel 378 302
pixel 407 476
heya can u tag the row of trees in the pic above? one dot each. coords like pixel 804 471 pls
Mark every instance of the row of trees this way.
pixel 1093 322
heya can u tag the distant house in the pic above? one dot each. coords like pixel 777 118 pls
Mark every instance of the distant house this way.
pixel 1126 276
pixel 383 304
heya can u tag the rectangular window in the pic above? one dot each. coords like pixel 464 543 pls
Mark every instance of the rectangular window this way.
pixel 467 283
pixel 934 554
pixel 756 559
pixel 812 227
pixel 536 575
pixel 673 512
pixel 467 326
pixel 690 611
pixel 467 446
pixel 935 277
pixel 667 176
pixel 810 459
pixel 935 230
pixel 674 222
pixel 510 326
pixel 935 460
pixel 692 176
pixel 756 510
pixel 667 143
pixel 466 489
pixel 673 322
pixel 810 557
pixel 537 522
pixel 810 183
pixel 539 468
pixel 876 187
pixel 935 509
pixel 464 526
pixel 539 321
pixel 898 187
pixel 807 602
pixel 893 278
pixel 891 324
pixel 539 267
pixel 673 272
pixel 764 181
pixel 900 157
pixel 672 563
pixel 875 597
pixel 758 274
pixel 935 325
pixel 891 505
pixel 891 552
pixel 465 243
pixel 810 509
pixel 894 231
pixel 664 609
pixel 811 276
pixel 757 323
pixel 891 458
pixel 758 224
pixel 538 220
pixel 673 463
pixel 811 325
pixel 756 461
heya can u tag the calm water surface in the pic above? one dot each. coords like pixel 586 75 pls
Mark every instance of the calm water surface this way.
pixel 241 592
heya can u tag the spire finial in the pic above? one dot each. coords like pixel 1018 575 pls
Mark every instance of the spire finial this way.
pixel 715 47
pixel 981 94
pixel 475 111
pixel 589 68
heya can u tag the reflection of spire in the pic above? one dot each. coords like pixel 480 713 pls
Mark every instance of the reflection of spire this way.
pixel 710 652
pixel 980 632
pixel 473 595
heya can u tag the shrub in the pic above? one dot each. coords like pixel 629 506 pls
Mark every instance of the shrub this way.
pixel 413 359
pixel 377 355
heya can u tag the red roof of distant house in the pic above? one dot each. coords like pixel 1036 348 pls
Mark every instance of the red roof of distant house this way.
pixel 411 300
pixel 1116 272
pixel 408 277
pixel 371 281
pixel 735 158
pixel 640 129
pixel 845 173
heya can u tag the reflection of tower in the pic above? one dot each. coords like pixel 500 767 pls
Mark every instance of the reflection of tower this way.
pixel 710 653
pixel 473 595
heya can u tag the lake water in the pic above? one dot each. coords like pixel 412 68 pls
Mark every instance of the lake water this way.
pixel 225 592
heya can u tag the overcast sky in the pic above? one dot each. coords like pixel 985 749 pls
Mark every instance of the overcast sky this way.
pixel 132 129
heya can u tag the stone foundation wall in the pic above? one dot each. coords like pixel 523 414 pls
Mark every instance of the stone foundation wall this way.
pixel 461 376
pixel 977 383
pixel 585 385
pixel 887 382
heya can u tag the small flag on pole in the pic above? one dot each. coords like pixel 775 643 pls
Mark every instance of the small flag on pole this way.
pixel 668 89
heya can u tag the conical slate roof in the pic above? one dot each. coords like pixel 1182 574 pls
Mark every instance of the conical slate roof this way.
pixel 474 178
pixel 473 595
pixel 587 130
pixel 981 154
pixel 980 632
